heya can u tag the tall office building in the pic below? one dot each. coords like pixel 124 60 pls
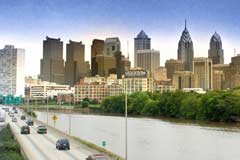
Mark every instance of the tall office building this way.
pixel 141 42
pixel 12 68
pixel 106 56
pixel 202 67
pixel 185 49
pixel 52 63
pixel 148 60
pixel 75 66
pixel 97 49
pixel 122 64
pixel 216 52
pixel 184 79
pixel 173 65
pixel 111 46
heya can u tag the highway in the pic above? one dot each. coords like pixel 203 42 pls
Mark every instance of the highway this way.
pixel 43 146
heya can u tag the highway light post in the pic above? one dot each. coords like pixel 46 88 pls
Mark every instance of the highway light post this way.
pixel 47 109
pixel 126 123
pixel 69 120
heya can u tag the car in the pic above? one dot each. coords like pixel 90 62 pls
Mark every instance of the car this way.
pixel 11 115
pixel 23 117
pixel 29 122
pixel 14 119
pixel 15 111
pixel 97 157
pixel 42 129
pixel 25 130
pixel 63 144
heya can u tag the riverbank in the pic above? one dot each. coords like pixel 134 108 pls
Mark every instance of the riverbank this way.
pixel 9 148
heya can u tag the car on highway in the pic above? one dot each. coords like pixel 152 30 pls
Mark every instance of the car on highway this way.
pixel 42 129
pixel 63 144
pixel 29 122
pixel 23 117
pixel 97 157
pixel 14 119
pixel 25 130
pixel 11 115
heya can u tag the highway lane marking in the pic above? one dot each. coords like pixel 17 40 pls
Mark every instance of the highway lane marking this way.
pixel 35 145
pixel 53 142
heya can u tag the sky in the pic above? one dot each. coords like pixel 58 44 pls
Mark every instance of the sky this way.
pixel 26 23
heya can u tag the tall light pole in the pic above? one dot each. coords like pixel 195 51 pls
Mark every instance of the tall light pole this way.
pixel 47 109
pixel 126 123
pixel 69 120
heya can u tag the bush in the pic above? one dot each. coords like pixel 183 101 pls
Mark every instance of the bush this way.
pixel 85 104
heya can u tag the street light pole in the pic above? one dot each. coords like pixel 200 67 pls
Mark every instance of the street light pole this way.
pixel 126 124
pixel 47 110
pixel 69 120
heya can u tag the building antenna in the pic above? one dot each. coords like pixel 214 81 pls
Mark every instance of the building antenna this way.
pixel 127 50
pixel 234 52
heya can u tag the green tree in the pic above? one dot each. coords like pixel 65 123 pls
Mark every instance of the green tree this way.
pixel 85 104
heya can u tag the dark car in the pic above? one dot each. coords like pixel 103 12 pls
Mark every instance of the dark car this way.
pixel 97 157
pixel 25 130
pixel 63 144
pixel 30 122
pixel 23 117
pixel 15 111
pixel 42 129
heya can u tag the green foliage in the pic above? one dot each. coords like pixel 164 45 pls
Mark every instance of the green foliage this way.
pixel 9 148
pixel 85 104
pixel 212 106
pixel 115 104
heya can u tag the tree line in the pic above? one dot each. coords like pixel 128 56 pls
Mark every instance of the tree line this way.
pixel 212 106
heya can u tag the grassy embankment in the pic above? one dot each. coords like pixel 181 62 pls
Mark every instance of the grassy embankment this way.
pixel 9 148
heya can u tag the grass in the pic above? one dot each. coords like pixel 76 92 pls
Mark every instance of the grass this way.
pixel 100 149
pixel 9 148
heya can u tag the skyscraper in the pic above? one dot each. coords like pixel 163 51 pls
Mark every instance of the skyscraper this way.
pixel 97 49
pixel 173 65
pixel 111 46
pixel 141 42
pixel 75 66
pixel 202 67
pixel 52 63
pixel 216 52
pixel 148 60
pixel 185 49
pixel 12 65
pixel 106 56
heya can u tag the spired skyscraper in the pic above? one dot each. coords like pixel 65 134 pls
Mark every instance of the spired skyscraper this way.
pixel 141 42
pixel 216 52
pixel 185 49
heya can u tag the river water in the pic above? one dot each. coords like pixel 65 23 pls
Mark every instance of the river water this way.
pixel 154 139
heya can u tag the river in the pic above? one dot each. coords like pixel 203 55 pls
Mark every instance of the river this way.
pixel 154 139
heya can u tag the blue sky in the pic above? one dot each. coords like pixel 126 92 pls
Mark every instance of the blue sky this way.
pixel 25 23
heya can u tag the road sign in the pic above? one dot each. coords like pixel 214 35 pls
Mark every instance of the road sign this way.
pixel 54 117
pixel 104 143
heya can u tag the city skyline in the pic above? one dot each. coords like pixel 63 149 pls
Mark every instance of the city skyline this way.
pixel 27 25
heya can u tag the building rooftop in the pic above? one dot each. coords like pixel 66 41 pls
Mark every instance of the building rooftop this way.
pixel 216 37
pixel 142 34
pixel 185 35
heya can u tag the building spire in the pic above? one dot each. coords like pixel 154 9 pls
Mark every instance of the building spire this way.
pixel 185 23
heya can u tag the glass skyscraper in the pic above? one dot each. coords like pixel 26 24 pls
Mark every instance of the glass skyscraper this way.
pixel 185 49
pixel 141 42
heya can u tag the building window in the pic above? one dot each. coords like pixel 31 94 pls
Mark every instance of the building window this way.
pixel 113 48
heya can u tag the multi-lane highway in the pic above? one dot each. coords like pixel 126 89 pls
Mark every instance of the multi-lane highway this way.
pixel 43 146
